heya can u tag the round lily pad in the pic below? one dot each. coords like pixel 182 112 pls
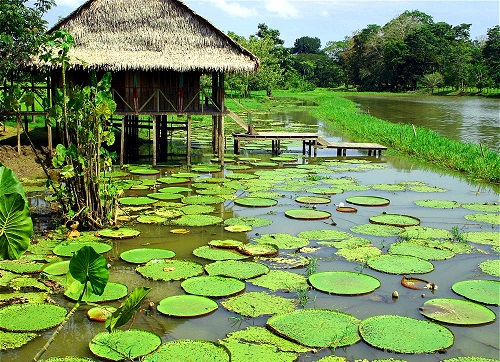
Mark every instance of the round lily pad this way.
pixel 259 250
pixel 237 269
pixel 287 261
pixel 348 209
pixel 174 189
pixel 206 252
pixel 325 190
pixel 68 248
pixel 202 200
pixel 313 200
pixel 368 201
pixel 405 335
pixel 206 168
pixel 307 214
pixel 31 317
pixel 420 251
pixel 483 237
pixel 255 304
pixel 173 180
pixel 242 352
pixel 112 291
pixel 136 201
pixel 198 220
pixel 21 267
pixel 359 254
pixel 438 204
pixel 144 171
pixel 180 231
pixel 255 202
pixel 251 221
pixel 186 306
pixel 120 233
pixel 151 219
pixel 424 232
pixel 316 327
pixel 185 175
pixel 491 267
pixel 238 228
pixel 324 234
pixel 13 340
pixel 168 270
pixel 400 264
pixel 189 350
pixel 143 255
pixel 225 244
pixel 485 207
pixel 377 230
pixel 281 280
pixel 100 313
pixel 283 240
pixel 197 209
pixel 469 359
pixel 457 311
pixel 343 282
pixel 493 219
pixel 59 268
pixel 165 196
pixel 395 220
pixel 213 286
pixel 121 345
pixel 482 291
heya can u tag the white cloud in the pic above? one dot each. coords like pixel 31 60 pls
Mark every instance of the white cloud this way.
pixel 282 8
pixel 235 9
pixel 325 14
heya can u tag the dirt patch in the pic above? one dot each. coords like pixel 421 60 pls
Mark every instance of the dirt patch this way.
pixel 25 164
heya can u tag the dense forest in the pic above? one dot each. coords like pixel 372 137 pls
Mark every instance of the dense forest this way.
pixel 409 52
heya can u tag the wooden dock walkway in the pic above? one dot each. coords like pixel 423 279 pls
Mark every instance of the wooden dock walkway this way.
pixel 310 142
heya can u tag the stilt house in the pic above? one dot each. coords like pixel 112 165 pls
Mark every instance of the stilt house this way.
pixel 157 51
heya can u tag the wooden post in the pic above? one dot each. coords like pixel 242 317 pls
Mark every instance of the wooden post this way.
pixel 19 134
pixel 122 141
pixel 304 147
pixel 220 137
pixel 49 139
pixel 154 140
pixel 236 146
pixel 188 135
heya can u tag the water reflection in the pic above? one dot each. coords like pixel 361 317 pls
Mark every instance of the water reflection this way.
pixel 465 119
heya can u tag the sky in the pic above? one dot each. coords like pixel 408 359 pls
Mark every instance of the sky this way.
pixel 328 20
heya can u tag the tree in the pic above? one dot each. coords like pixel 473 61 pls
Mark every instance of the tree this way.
pixel 265 32
pixel 22 30
pixel 491 54
pixel 431 81
pixel 306 45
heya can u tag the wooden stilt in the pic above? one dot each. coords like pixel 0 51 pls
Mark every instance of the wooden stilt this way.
pixel 154 140
pixel 122 142
pixel 49 140
pixel 220 136
pixel 188 145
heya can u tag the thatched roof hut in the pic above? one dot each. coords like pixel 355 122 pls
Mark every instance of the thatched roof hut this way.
pixel 150 35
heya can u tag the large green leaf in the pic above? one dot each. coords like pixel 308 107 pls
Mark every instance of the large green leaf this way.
pixel 123 314
pixel 89 266
pixel 9 184
pixel 16 226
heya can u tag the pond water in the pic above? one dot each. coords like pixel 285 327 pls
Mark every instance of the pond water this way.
pixel 464 119
pixel 368 171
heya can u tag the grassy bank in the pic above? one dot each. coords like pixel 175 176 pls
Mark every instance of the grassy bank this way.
pixel 426 145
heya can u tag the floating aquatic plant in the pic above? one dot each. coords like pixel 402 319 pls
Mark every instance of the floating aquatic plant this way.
pixel 206 252
pixel 213 286
pixel 143 255
pixel 457 311
pixel 202 200
pixel 483 237
pixel 280 280
pixel 307 214
pixel 343 282
pixel 255 202
pixel 189 350
pixel 242 352
pixel 13 340
pixel 479 290
pixel 255 304
pixel 185 306
pixel 237 269
pixel 377 230
pixel 438 204
pixel 120 233
pixel 395 220
pixel 283 240
pixel 198 220
pixel 251 221
pixel 259 335
pixel 493 219
pixel 136 201
pixel 168 270
pixel 68 248
pixel 368 201
pixel 491 267
pixel 31 317
pixel 400 264
pixel 420 251
pixel 112 291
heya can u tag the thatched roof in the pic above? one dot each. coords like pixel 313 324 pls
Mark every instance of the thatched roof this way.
pixel 114 35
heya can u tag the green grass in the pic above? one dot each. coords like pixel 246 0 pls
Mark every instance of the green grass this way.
pixel 476 161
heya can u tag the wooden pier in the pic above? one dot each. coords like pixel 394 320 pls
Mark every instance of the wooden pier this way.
pixel 310 142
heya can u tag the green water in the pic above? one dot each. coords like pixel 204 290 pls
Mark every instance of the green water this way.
pixel 469 341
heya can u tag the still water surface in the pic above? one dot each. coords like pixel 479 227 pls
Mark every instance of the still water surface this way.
pixel 464 119
pixel 469 341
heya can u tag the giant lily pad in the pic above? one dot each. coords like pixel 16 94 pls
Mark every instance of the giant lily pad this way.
pixel 206 252
pixel 255 202
pixel 491 267
pixel 368 201
pixel 202 200
pixel 237 269
pixel 377 230
pixel 136 201
pixel 144 171
pixel 168 270
pixel 493 219
pixel 483 291
pixel 189 350
pixel 400 264
pixel 438 204
pixel 254 334
pixel 325 234
pixel 424 232
pixel 120 233
pixel 186 306
pixel 281 280
pixel 483 237
pixel 259 250
pixel 395 220
pixel 285 261
pixel 213 286
pixel 420 251
pixel 255 304
pixel 225 244
pixel 243 352
pixel 485 207
pixel 31 317
pixel 251 221
pixel 121 345
pixel 21 267
pixel 198 220
pixel 283 240
pixel 165 196
pixel 313 200
pixel 343 282
pixel 316 327
pixel 174 189
pixel 405 335
pixel 457 311
pixel 173 180
pixel 197 209
pixel 68 248
pixel 59 268
pixel 112 291
pixel 143 255
pixel 307 214
pixel 12 340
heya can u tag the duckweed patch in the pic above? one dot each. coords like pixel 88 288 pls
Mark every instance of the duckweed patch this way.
pixel 405 335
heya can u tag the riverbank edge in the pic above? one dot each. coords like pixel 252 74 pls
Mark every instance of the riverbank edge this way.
pixel 421 143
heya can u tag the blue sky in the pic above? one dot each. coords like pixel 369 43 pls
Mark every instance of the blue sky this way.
pixel 328 20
